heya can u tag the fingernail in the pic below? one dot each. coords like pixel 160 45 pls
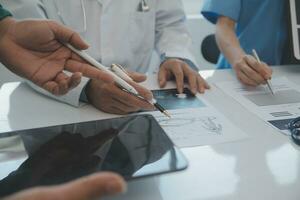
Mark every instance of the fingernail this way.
pixel 115 187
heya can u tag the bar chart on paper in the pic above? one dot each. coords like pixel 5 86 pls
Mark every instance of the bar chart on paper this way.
pixel 276 110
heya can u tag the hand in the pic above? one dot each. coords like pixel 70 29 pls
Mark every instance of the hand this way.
pixel 109 98
pixel 250 72
pixel 90 187
pixel 175 68
pixel 33 49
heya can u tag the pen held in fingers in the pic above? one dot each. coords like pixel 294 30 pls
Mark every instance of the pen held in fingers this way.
pixel 268 81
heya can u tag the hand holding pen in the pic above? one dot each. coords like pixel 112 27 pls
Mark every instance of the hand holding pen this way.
pixel 267 79
pixel 251 72
pixel 110 98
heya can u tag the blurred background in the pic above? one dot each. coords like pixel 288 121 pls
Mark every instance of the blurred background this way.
pixel 198 27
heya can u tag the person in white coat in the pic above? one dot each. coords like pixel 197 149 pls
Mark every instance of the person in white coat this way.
pixel 126 33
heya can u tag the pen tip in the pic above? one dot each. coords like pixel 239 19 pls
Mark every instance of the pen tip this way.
pixel 167 114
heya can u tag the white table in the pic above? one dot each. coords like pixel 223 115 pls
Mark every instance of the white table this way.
pixel 266 166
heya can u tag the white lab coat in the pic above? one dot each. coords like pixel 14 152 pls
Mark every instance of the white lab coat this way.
pixel 117 31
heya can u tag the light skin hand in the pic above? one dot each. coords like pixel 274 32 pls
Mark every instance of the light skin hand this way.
pixel 87 188
pixel 250 72
pixel 179 70
pixel 111 99
pixel 33 49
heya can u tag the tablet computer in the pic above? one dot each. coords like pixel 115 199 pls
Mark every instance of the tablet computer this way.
pixel 132 146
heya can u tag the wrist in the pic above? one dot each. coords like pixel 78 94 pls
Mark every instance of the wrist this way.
pixel 238 57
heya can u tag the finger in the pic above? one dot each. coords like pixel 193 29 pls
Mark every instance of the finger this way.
pixel 129 99
pixel 88 71
pixel 67 35
pixel 51 87
pixel 137 77
pixel 144 92
pixel 124 107
pixel 179 76
pixel 269 71
pixel 202 84
pixel 63 83
pixel 162 77
pixel 74 80
pixel 192 78
pixel 252 74
pixel 261 68
pixel 245 80
pixel 93 186
pixel 117 111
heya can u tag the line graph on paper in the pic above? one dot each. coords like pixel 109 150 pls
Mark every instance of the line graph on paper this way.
pixel 185 126
pixel 209 123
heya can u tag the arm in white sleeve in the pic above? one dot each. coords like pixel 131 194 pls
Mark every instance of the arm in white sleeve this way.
pixel 22 9
pixel 172 36
pixel 73 96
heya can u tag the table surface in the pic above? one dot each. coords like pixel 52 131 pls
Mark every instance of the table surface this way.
pixel 265 166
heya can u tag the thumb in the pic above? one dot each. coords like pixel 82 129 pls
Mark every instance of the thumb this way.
pixel 93 186
pixel 67 35
pixel 137 77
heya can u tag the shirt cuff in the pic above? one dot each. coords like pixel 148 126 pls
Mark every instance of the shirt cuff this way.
pixel 83 97
pixel 4 13
pixel 187 61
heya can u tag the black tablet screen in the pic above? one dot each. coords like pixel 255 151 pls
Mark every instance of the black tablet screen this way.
pixel 134 146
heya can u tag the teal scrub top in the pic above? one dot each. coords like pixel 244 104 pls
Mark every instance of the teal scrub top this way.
pixel 3 13
pixel 261 25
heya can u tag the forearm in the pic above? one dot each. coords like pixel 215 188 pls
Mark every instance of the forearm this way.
pixel 227 40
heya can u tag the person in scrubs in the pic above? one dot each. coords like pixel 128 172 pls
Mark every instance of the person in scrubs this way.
pixel 244 25
pixel 125 33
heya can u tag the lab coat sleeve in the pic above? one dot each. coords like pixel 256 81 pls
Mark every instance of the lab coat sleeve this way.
pixel 71 98
pixel 213 9
pixel 36 9
pixel 171 34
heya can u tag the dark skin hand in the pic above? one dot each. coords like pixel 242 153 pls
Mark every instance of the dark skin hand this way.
pixel 111 99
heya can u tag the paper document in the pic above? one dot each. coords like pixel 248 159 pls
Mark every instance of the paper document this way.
pixel 194 121
pixel 276 110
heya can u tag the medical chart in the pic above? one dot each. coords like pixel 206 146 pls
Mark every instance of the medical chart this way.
pixel 276 110
pixel 194 121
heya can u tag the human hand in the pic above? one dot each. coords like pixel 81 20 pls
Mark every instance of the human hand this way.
pixel 110 98
pixel 250 72
pixel 33 49
pixel 86 188
pixel 178 69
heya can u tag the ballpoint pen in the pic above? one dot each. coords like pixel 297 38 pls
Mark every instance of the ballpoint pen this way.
pixel 268 82
pixel 121 72
pixel 121 81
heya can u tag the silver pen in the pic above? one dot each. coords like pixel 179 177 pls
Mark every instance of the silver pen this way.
pixel 122 73
pixel 268 81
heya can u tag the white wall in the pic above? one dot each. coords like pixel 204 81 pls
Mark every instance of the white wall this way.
pixel 192 7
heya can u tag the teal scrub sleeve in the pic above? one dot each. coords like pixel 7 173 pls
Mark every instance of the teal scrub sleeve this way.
pixel 4 13
pixel 213 9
